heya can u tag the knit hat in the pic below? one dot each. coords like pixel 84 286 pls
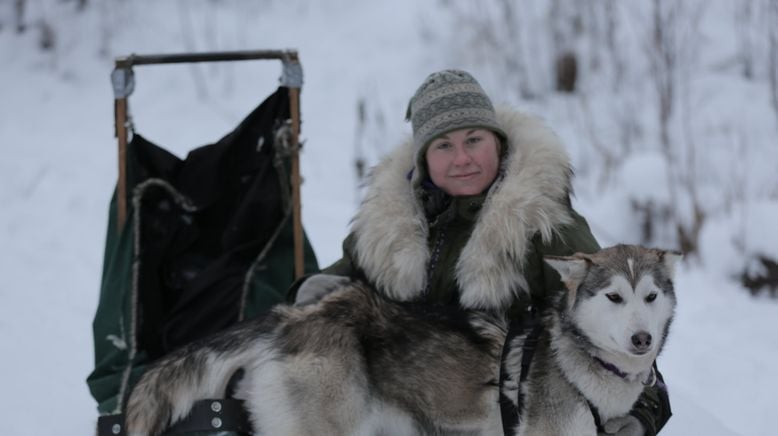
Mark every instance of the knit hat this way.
pixel 449 100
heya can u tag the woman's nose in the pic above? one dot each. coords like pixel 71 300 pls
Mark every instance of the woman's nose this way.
pixel 461 157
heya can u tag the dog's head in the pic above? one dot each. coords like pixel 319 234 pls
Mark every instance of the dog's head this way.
pixel 620 298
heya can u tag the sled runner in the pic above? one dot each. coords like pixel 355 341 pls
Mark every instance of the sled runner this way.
pixel 196 245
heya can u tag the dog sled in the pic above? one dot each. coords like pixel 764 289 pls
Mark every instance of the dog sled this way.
pixel 195 245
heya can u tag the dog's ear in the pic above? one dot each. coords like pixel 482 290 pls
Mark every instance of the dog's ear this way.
pixel 670 259
pixel 572 269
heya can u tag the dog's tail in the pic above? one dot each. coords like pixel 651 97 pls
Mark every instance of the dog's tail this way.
pixel 166 393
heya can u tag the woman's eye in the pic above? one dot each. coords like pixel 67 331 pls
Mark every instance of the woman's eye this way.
pixel 614 297
pixel 474 139
pixel 651 297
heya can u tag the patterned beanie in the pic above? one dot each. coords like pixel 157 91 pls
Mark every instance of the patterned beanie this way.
pixel 448 100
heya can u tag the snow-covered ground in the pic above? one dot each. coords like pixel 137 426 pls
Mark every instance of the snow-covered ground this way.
pixel 58 169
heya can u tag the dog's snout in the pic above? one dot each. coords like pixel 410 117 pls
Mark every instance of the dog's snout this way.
pixel 641 341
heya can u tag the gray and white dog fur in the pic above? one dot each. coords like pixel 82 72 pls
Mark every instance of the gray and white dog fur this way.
pixel 599 340
pixel 357 363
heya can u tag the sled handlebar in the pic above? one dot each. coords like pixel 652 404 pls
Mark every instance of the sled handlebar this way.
pixel 133 59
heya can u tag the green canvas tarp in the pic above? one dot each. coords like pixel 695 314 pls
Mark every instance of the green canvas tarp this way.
pixel 208 241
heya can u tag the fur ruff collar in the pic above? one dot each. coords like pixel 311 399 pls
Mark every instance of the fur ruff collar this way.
pixel 530 196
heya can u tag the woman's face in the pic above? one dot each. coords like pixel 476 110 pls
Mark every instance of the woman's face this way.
pixel 464 162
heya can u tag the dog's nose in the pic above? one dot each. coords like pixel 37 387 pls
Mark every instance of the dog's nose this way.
pixel 641 340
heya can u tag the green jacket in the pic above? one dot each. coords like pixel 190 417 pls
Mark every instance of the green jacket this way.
pixel 450 233
pixel 481 252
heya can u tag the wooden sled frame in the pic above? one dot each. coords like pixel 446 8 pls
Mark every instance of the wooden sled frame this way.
pixel 292 78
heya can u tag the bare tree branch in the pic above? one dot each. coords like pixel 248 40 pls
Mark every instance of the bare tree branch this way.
pixel 772 69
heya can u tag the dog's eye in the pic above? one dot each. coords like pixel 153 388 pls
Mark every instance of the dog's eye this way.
pixel 614 297
pixel 651 297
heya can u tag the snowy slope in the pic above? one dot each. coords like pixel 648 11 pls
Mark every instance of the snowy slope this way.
pixel 58 167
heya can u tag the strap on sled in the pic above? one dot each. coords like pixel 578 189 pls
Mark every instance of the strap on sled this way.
pixel 219 415
pixel 210 415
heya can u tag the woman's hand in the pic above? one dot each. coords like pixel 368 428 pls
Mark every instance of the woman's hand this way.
pixel 317 287
pixel 626 425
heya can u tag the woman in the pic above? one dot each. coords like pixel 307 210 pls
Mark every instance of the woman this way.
pixel 464 213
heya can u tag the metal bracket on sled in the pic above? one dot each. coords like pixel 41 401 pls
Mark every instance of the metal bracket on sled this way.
pixel 214 415
pixel 123 81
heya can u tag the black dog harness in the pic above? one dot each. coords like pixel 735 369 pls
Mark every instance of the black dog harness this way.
pixel 510 412
pixel 508 409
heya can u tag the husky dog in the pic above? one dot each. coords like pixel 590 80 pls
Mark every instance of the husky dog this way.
pixel 593 351
pixel 356 363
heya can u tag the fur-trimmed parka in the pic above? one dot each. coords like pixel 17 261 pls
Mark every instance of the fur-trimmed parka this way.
pixel 524 215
